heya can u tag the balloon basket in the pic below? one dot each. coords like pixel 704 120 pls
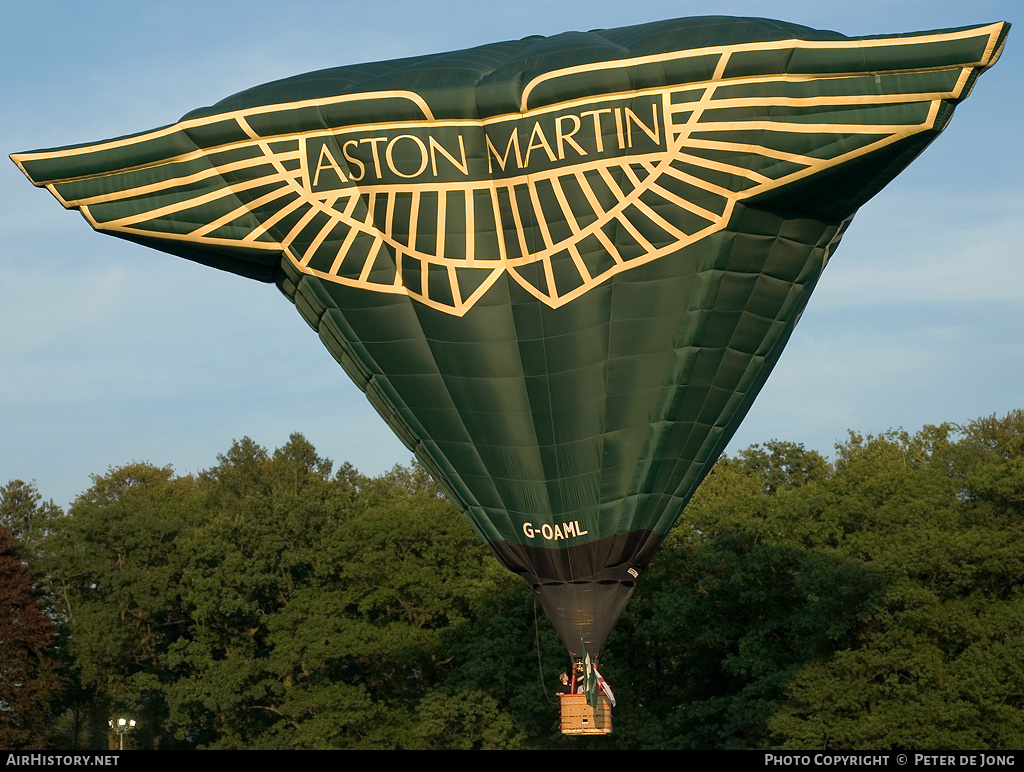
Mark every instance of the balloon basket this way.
pixel 579 718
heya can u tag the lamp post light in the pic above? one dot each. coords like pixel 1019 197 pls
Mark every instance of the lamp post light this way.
pixel 122 727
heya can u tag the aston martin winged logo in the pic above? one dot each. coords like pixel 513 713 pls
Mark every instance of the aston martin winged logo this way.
pixel 602 166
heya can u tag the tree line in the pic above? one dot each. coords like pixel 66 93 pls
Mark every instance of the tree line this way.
pixel 872 601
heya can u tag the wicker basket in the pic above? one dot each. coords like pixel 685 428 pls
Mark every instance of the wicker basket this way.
pixel 579 718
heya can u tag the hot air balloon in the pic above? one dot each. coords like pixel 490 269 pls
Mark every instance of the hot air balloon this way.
pixel 560 268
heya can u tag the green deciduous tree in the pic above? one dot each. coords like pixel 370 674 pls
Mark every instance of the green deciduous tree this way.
pixel 872 601
pixel 116 565
pixel 323 607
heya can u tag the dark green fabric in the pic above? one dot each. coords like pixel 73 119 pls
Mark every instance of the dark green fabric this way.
pixel 560 268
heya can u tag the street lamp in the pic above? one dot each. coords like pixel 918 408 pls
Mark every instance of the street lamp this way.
pixel 123 726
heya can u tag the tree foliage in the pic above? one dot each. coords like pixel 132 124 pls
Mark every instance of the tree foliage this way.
pixel 875 603
pixel 869 601
pixel 29 676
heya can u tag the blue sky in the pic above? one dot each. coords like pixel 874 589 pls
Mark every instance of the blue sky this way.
pixel 111 353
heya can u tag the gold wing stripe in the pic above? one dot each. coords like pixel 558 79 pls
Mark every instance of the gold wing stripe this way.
pixel 987 59
pixel 694 127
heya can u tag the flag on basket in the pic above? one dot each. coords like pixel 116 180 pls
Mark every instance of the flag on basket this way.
pixel 604 687
pixel 593 682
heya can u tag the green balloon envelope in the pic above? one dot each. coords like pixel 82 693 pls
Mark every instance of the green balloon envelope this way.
pixel 560 268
